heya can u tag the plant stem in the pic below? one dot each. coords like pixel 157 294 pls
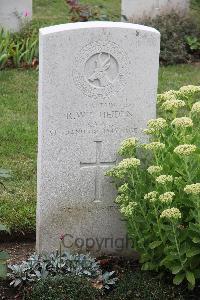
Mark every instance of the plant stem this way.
pixel 137 232
pixel 158 223
pixel 176 242
pixel 141 208
pixel 187 171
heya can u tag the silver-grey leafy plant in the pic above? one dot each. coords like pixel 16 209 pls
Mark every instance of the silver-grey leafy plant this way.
pixel 38 267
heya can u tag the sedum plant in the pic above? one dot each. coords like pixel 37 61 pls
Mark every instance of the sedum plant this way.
pixel 159 187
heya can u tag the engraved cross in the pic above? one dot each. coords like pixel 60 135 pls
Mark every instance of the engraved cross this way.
pixel 157 5
pixel 98 164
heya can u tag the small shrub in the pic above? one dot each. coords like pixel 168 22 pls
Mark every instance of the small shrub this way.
pixel 194 45
pixel 61 288
pixel 38 267
pixel 159 187
pixel 82 13
pixel 174 29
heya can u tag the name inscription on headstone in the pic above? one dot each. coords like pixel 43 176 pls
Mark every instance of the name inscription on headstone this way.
pixel 96 121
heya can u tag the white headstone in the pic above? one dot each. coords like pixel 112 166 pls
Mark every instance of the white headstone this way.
pixel 14 12
pixel 138 9
pixel 97 86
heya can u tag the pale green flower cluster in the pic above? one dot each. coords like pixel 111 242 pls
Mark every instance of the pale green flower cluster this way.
pixel 122 199
pixel 171 213
pixel 172 104
pixel 163 179
pixel 185 149
pixel 123 188
pixel 154 170
pixel 155 125
pixel 196 107
pixel 129 163
pixel 127 145
pixel 167 197
pixel 152 196
pixel 154 146
pixel 183 122
pixel 193 189
pixel 115 172
pixel 166 96
pixel 189 90
pixel 128 210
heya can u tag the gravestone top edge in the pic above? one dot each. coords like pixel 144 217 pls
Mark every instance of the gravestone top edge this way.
pixel 95 24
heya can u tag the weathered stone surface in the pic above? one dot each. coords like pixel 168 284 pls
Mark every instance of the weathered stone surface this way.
pixel 137 9
pixel 97 86
pixel 14 12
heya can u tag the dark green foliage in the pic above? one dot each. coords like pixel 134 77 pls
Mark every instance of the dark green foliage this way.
pixel 145 286
pixel 174 30
pixel 63 288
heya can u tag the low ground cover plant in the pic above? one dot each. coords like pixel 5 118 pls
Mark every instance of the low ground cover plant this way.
pixel 60 288
pixel 159 187
pixel 133 285
pixel 39 267
pixel 140 285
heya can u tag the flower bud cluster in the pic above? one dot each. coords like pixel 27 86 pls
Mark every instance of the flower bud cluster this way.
pixel 185 149
pixel 193 189
pixel 171 214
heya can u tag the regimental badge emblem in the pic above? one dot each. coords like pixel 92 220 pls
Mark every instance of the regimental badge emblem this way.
pixel 101 69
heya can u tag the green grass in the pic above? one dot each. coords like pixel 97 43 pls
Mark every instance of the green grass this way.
pixel 18 136
pixel 56 11
pixel 18 117
pixel 173 77
pixel 49 10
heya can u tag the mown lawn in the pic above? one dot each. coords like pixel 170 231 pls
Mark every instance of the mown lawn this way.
pixel 18 117
pixel 18 136
pixel 56 10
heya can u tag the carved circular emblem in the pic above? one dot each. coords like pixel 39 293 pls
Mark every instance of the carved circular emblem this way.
pixel 101 69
